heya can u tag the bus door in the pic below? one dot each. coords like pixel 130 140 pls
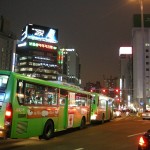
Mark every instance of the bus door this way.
pixel 63 109
pixel 79 109
pixel 89 101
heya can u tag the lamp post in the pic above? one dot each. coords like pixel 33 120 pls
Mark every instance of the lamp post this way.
pixel 143 51
pixel 142 15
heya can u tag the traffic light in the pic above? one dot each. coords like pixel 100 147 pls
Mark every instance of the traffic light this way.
pixel 104 90
pixel 117 90
pixel 118 100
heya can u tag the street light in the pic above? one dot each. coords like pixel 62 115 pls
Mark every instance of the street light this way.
pixel 143 46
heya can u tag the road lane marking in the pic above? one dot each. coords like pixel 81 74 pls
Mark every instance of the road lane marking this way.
pixel 135 134
pixel 79 149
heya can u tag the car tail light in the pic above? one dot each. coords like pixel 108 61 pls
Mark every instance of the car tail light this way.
pixel 142 141
pixel 8 114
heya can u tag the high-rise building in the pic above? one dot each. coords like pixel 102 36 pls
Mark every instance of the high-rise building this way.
pixel 109 85
pixel 37 52
pixel 7 46
pixel 70 64
pixel 126 75
pixel 141 61
pixel 93 87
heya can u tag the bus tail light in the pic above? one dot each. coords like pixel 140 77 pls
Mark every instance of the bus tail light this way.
pixel 8 114
pixel 93 117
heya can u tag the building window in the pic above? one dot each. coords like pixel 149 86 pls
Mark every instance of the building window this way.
pixel 147 69
pixel 147 56
pixel 22 58
pixel 147 50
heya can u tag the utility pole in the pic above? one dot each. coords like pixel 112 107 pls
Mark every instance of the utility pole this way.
pixel 143 50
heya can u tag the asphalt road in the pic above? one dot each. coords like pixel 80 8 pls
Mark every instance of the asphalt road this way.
pixel 118 134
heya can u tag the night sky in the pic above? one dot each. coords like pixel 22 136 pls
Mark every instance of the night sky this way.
pixel 95 28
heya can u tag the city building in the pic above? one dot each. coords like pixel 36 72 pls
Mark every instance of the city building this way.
pixel 93 87
pixel 7 45
pixel 70 66
pixel 37 52
pixel 110 87
pixel 126 76
pixel 141 61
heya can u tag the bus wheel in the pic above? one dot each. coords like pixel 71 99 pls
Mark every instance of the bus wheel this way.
pixel 83 123
pixel 48 131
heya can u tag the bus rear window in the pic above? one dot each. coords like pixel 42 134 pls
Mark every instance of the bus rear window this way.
pixel 3 82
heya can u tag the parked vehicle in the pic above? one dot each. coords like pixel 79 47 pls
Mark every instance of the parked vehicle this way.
pixel 44 107
pixel 146 115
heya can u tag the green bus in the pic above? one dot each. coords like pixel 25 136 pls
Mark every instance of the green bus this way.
pixel 31 107
pixel 101 108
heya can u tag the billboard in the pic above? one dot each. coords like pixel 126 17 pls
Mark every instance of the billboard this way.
pixel 40 33
pixel 125 50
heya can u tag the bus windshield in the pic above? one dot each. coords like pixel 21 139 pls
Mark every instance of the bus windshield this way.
pixel 3 82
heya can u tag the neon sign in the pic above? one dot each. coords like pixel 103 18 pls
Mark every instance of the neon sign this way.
pixel 41 45
pixel 60 57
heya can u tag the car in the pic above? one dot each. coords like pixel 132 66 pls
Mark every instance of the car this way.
pixel 146 115
pixel 144 141
pixel 117 113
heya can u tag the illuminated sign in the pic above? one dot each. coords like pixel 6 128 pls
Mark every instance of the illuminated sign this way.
pixel 68 50
pixel 60 57
pixel 41 45
pixel 125 50
pixel 40 33
pixel 22 44
pixel 38 45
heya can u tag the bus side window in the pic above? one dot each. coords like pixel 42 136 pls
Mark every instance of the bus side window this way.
pixel 62 101
pixel 30 93
pixel 51 96
pixel 28 96
pixel 63 96
pixel 46 95
pixel 36 94
pixel 81 100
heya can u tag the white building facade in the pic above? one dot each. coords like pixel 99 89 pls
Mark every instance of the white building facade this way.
pixel 141 65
